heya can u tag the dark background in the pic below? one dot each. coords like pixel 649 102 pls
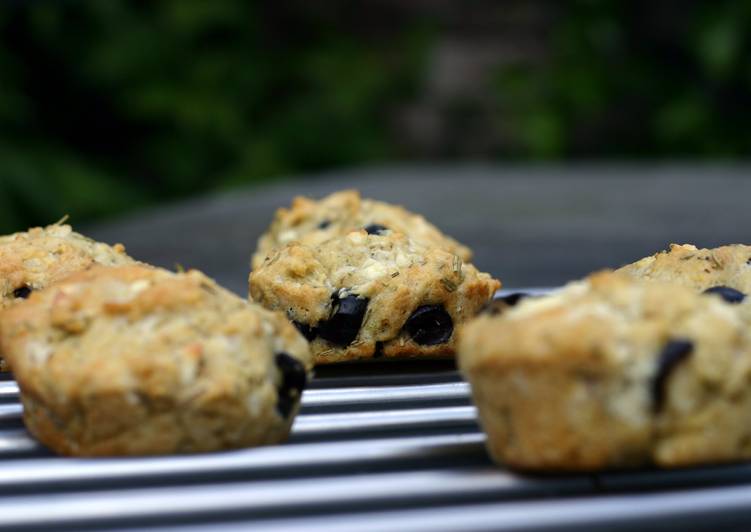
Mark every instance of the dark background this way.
pixel 113 108
pixel 109 106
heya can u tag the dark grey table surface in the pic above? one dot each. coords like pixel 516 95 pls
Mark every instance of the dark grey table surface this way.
pixel 528 225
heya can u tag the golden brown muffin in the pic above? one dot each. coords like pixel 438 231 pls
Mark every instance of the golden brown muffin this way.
pixel 313 222
pixel 134 360
pixel 698 269
pixel 365 296
pixel 36 258
pixel 612 372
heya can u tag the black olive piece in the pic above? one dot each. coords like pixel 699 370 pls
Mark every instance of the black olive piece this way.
pixel 375 229
pixel 730 295
pixel 294 379
pixel 674 352
pixel 513 298
pixel 306 330
pixel 378 353
pixel 430 325
pixel 493 307
pixel 324 224
pixel 346 317
pixel 22 292
pixel 500 304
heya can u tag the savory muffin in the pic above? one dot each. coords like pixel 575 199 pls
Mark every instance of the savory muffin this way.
pixel 312 222
pixel 136 360
pixel 612 372
pixel 364 295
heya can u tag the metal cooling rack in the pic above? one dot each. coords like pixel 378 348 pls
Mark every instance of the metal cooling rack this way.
pixel 386 446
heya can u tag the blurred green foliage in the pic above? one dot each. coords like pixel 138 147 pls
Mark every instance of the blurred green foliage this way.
pixel 636 79
pixel 110 105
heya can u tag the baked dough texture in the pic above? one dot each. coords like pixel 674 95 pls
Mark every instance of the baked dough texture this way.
pixel 612 372
pixel 133 360
pixel 313 222
pixel 699 269
pixel 362 296
pixel 41 256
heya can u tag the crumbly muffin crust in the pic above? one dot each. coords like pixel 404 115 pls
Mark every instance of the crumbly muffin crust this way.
pixel 696 268
pixel 612 372
pixel 41 256
pixel 313 222
pixel 369 295
pixel 134 360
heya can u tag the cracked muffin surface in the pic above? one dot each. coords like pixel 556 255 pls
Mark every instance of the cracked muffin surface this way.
pixel 313 222
pixel 34 259
pixel 699 269
pixel 135 360
pixel 362 296
pixel 612 372
pixel 41 256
